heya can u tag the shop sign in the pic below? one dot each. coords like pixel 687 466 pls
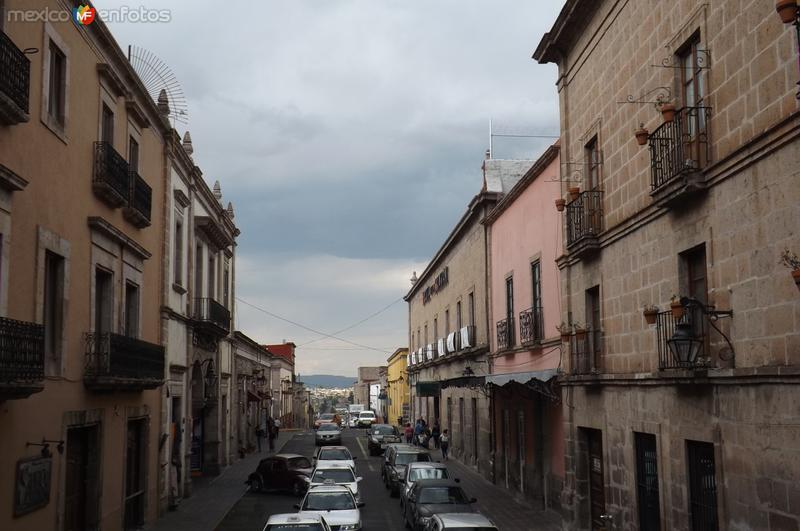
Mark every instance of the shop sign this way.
pixel 32 490
pixel 439 284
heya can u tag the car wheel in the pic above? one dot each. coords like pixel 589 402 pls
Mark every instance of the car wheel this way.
pixel 256 484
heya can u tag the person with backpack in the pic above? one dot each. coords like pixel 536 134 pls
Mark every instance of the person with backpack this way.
pixel 444 444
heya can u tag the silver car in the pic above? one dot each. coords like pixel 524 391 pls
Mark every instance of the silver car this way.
pixel 417 471
pixel 339 473
pixel 336 503
pixel 461 521
pixel 328 434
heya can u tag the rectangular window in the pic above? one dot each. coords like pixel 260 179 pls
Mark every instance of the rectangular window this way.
pixel 446 322
pixel 133 155
pixel 426 333
pixel 593 324
pixel 198 271
pixel 647 482
pixel 459 322
pixel 56 106
pixel 694 274
pixel 178 258
pixel 226 287
pixel 212 292
pixel 104 301
pixel 702 486
pixel 107 125
pixel 472 309
pixel 53 303
pixel 131 309
pixel 435 329
pixel 692 59
pixel 592 154
pixel 510 298
pixel 536 300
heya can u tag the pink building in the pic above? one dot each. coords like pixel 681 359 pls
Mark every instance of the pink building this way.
pixel 524 242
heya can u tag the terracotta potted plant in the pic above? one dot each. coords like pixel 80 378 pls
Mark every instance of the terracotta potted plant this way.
pixel 676 307
pixel 787 10
pixel 580 332
pixel 564 330
pixel 650 313
pixel 574 192
pixel 560 204
pixel 790 260
pixel 668 112
pixel 642 134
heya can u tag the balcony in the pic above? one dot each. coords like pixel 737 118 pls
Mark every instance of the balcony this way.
pixel 665 329
pixel 15 82
pixel 585 223
pixel 679 151
pixel 505 333
pixel 585 351
pixel 112 179
pixel 121 363
pixel 531 326
pixel 21 359
pixel 212 316
pixel 139 202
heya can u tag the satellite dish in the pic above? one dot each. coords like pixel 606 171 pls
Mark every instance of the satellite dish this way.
pixel 157 76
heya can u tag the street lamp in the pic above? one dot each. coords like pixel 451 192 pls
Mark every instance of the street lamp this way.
pixel 683 345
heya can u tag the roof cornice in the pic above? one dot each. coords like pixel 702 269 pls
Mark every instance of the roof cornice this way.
pixel 565 30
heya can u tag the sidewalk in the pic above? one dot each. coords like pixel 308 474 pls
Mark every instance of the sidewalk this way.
pixel 500 505
pixel 213 497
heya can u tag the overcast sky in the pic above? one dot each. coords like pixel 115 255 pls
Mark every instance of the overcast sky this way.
pixel 349 136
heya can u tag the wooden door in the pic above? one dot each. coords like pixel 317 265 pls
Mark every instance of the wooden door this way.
pixel 75 494
pixel 135 475
pixel 596 482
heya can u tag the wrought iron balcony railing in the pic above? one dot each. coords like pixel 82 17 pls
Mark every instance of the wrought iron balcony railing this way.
pixel 15 82
pixel 585 221
pixel 139 202
pixel 21 358
pixel 531 325
pixel 679 150
pixel 112 178
pixel 586 349
pixel 209 311
pixel 115 361
pixel 665 329
pixel 505 333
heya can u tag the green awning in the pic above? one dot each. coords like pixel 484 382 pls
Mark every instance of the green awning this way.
pixel 428 388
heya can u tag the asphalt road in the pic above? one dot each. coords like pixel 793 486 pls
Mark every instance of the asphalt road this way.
pixel 379 513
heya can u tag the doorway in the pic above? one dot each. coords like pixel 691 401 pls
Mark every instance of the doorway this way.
pixel 82 493
pixel 475 430
pixel 506 442
pixel 135 474
pixel 597 498
pixel 521 448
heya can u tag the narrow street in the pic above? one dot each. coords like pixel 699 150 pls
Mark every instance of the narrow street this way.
pixel 382 512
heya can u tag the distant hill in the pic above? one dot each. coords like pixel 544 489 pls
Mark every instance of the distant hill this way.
pixel 327 380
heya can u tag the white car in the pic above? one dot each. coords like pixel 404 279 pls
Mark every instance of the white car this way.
pixel 297 521
pixel 336 503
pixel 460 521
pixel 339 473
pixel 327 455
pixel 366 419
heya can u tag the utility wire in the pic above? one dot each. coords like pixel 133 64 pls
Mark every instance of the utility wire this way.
pixel 356 324
pixel 304 327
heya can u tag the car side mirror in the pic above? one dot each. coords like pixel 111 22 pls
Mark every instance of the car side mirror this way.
pixel 358 479
pixel 473 500
pixel 360 504
pixel 297 506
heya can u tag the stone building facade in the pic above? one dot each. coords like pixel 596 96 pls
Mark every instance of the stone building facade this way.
pixel 691 422
pixel 252 400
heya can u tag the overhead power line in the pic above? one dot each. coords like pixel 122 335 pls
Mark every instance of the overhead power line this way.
pixel 364 320
pixel 308 328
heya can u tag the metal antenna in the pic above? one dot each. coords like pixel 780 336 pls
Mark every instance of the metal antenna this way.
pixel 157 76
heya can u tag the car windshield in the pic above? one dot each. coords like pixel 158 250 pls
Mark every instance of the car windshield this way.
pixel 442 495
pixel 334 455
pixel 329 501
pixel 382 430
pixel 299 462
pixel 404 459
pixel 427 473
pixel 366 415
pixel 338 475
pixel 295 527
pixel 326 416
pixel 329 427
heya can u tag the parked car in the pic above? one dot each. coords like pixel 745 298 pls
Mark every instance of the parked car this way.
pixel 418 471
pixel 281 472
pixel 387 456
pixel 460 522
pixel 434 496
pixel 336 503
pixel 328 433
pixel 339 454
pixel 396 468
pixel 324 418
pixel 379 436
pixel 297 522
pixel 366 419
pixel 340 473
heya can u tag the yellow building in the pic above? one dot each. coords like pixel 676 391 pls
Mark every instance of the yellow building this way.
pixel 397 387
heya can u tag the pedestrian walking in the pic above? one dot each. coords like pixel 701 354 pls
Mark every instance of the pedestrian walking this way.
pixel 271 433
pixel 418 429
pixel 436 433
pixel 444 444
pixel 277 427
pixel 426 437
pixel 409 431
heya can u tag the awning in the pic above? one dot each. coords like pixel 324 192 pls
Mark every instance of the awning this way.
pixel 540 381
pixel 464 381
pixel 428 388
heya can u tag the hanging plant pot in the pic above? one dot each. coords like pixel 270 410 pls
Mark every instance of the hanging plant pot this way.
pixel 787 10
pixel 574 192
pixel 642 135
pixel 677 309
pixel 668 112
pixel 650 315
pixel 796 277
pixel 565 337
pixel 580 333
pixel 560 203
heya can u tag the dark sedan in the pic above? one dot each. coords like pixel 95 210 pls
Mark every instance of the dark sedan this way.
pixel 434 496
pixel 396 467
pixel 379 435
pixel 281 472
